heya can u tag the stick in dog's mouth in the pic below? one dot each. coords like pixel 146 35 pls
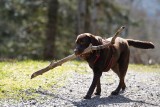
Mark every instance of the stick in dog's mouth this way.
pixel 90 48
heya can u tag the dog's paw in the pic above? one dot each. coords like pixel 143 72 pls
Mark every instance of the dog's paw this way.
pixel 97 93
pixel 87 97
pixel 114 93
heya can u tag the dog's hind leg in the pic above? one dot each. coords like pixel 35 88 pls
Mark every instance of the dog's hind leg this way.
pixel 116 70
pixel 123 66
pixel 121 69
pixel 121 80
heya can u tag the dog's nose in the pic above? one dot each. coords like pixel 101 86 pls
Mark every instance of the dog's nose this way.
pixel 76 51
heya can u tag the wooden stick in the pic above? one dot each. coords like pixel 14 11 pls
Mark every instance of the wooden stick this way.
pixel 89 49
pixel 53 65
pixel 116 34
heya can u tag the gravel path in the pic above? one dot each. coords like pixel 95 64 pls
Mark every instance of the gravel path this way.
pixel 143 89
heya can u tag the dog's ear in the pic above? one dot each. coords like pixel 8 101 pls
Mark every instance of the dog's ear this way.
pixel 95 40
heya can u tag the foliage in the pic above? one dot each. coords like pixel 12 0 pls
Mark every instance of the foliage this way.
pixel 23 27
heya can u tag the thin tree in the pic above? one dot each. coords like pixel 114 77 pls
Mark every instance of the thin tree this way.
pixel 51 29
pixel 83 17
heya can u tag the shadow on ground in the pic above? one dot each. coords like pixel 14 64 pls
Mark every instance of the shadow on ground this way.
pixel 109 101
pixel 97 100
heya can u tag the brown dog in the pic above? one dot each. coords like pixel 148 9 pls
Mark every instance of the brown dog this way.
pixel 114 56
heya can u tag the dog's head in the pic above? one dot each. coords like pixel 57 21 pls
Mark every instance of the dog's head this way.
pixel 83 41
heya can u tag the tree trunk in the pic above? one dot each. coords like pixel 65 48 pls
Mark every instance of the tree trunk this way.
pixel 128 24
pixel 87 17
pixel 81 14
pixel 51 30
pixel 83 18
pixel 95 14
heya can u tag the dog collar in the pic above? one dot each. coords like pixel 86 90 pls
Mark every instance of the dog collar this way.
pixel 97 57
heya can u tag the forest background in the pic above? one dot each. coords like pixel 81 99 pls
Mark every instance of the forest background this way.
pixel 47 29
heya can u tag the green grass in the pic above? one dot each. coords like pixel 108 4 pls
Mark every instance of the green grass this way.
pixel 15 82
pixel 15 79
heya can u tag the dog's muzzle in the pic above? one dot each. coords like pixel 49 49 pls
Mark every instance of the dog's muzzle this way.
pixel 77 52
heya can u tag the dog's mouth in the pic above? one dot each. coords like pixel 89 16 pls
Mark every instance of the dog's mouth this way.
pixel 80 54
pixel 84 56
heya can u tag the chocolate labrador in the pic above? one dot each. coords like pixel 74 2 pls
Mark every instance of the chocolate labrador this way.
pixel 115 57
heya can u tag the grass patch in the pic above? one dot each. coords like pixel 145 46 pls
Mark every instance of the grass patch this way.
pixel 15 82
pixel 144 68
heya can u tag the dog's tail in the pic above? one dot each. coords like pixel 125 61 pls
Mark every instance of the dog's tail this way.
pixel 140 44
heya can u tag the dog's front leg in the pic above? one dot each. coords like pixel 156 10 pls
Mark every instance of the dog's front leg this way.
pixel 98 90
pixel 96 78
